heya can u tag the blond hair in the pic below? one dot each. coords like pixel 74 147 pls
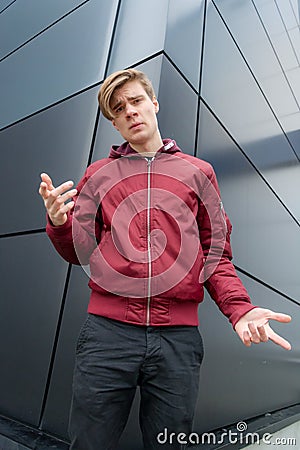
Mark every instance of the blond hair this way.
pixel 117 80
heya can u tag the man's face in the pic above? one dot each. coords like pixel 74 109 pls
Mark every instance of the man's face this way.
pixel 135 114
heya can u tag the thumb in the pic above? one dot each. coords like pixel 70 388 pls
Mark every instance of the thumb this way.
pixel 279 317
pixel 46 179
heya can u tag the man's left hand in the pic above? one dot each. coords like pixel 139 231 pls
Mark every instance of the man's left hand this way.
pixel 254 327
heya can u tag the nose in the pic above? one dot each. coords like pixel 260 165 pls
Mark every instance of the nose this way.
pixel 130 110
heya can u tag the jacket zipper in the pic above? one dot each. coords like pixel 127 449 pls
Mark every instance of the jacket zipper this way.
pixel 149 161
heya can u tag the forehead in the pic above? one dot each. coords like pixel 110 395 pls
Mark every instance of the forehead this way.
pixel 129 90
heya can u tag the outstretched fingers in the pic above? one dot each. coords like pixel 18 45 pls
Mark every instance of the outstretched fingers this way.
pixel 46 186
pixel 263 333
pixel 279 340
pixel 56 199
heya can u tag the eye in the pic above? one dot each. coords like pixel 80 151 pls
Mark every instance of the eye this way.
pixel 119 109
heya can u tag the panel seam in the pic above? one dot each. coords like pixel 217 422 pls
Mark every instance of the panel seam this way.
pixel 42 31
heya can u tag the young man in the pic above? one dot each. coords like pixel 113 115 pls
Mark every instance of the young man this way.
pixel 149 221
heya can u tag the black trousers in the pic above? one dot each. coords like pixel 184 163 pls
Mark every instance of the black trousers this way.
pixel 112 359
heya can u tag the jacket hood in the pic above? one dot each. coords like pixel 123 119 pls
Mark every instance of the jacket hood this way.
pixel 125 149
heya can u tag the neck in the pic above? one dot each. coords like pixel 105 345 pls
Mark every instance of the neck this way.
pixel 148 148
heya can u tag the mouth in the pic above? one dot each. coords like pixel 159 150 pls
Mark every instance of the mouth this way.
pixel 135 125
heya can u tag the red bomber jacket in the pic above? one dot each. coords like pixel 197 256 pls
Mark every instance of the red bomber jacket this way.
pixel 154 233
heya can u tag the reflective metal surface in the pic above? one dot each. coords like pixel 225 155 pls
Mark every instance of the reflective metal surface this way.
pixel 56 141
pixel 265 239
pixel 29 312
pixel 60 389
pixel 140 32
pixel 178 108
pixel 29 19
pixel 274 16
pixel 184 37
pixel 238 382
pixel 37 75
pixel 4 4
pixel 240 104
pixel 279 85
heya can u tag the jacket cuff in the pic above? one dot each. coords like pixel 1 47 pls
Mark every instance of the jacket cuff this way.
pixel 58 230
pixel 237 309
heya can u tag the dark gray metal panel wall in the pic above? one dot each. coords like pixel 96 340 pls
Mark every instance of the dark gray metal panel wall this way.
pixel 56 140
pixel 244 132
pixel 266 116
pixel 174 91
pixel 54 60
pixel 238 383
pixel 32 284
pixel 60 389
pixel 261 223
pixel 59 62
pixel 183 47
pixel 4 4
pixel 235 105
pixel 28 20
pixel 140 32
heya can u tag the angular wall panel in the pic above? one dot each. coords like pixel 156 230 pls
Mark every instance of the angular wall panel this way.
pixel 55 418
pixel 32 285
pixel 140 32
pixel 236 382
pixel 5 4
pixel 248 31
pixel 273 22
pixel 56 141
pixel 287 13
pixel 236 98
pixel 265 238
pixel 184 36
pixel 238 102
pixel 38 75
pixel 294 34
pixel 178 108
pixel 29 18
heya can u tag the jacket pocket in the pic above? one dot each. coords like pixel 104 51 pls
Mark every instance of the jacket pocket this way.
pixel 83 336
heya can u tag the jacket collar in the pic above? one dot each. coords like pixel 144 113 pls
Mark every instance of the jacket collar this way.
pixel 125 149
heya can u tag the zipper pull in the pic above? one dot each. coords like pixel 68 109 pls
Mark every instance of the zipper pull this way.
pixel 149 160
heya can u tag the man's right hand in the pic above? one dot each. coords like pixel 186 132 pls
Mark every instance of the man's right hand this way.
pixel 55 198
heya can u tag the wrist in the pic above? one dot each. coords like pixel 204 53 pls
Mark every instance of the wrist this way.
pixel 56 222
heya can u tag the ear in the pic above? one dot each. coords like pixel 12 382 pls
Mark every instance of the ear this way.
pixel 114 124
pixel 156 104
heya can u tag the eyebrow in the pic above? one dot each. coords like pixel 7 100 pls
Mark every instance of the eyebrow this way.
pixel 116 106
pixel 134 97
